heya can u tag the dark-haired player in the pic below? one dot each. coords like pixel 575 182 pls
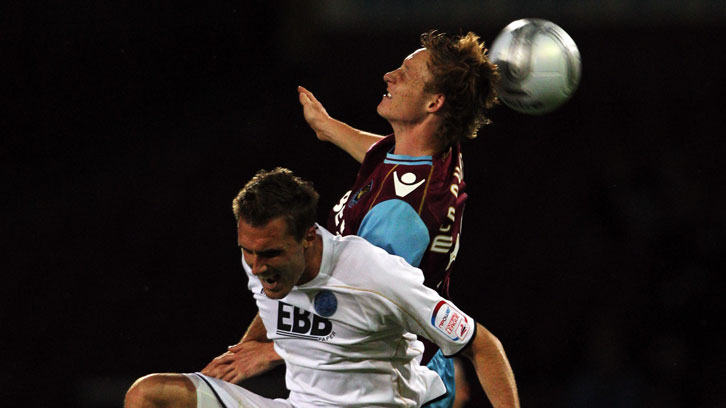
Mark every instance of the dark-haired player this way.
pixel 346 334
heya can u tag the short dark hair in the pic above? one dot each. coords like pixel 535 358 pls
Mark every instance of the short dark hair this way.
pixel 462 71
pixel 277 193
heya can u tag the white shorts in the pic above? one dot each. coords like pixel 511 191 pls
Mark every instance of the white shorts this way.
pixel 215 393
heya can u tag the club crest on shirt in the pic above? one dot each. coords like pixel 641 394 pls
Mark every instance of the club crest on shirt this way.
pixel 449 320
pixel 325 303
pixel 360 193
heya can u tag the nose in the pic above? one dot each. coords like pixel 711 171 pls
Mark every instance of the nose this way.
pixel 256 264
pixel 389 77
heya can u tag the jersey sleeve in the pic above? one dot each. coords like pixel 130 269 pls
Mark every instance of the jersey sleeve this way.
pixel 396 227
pixel 419 309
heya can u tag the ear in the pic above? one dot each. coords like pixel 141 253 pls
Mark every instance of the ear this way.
pixel 435 103
pixel 309 237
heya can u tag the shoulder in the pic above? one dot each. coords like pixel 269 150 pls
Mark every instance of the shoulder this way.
pixel 396 227
pixel 359 263
pixel 384 144
pixel 377 151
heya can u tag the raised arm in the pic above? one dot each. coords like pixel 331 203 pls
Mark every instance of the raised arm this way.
pixel 253 355
pixel 355 142
pixel 492 367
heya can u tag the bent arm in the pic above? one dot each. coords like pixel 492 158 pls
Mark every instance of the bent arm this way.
pixel 258 333
pixel 253 355
pixel 355 142
pixel 492 368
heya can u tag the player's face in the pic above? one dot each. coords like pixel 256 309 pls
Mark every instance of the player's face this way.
pixel 405 100
pixel 274 255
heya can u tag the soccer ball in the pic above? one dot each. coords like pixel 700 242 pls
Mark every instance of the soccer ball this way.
pixel 539 65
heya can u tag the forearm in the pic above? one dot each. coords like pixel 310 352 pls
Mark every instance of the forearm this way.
pixel 328 129
pixel 493 369
pixel 355 142
pixel 256 331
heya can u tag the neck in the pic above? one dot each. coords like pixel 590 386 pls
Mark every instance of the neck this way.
pixel 313 258
pixel 416 139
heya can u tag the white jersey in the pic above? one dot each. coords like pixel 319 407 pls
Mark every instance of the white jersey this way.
pixel 348 337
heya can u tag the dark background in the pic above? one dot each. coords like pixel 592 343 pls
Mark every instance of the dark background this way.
pixel 593 236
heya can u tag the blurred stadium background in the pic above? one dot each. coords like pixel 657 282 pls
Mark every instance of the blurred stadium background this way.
pixel 593 236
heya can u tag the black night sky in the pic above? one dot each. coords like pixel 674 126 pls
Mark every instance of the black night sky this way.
pixel 593 237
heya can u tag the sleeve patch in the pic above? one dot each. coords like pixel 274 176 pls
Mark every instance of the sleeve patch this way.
pixel 450 321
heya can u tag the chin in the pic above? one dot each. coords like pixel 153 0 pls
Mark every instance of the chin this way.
pixel 276 295
pixel 382 113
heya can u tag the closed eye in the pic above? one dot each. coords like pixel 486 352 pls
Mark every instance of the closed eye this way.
pixel 270 253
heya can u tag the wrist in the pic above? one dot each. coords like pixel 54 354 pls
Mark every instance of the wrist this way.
pixel 271 354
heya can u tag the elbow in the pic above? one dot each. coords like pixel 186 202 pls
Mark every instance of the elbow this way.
pixel 494 341
pixel 484 342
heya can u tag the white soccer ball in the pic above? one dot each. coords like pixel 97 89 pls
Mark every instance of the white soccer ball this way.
pixel 539 65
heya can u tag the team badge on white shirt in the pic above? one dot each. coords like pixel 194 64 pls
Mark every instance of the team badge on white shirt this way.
pixel 325 303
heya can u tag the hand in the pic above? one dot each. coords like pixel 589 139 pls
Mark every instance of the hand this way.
pixel 355 142
pixel 314 112
pixel 242 361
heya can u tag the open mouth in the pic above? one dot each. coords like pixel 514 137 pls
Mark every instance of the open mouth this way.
pixel 270 281
pixel 387 95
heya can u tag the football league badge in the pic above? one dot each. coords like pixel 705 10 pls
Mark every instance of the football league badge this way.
pixel 449 320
